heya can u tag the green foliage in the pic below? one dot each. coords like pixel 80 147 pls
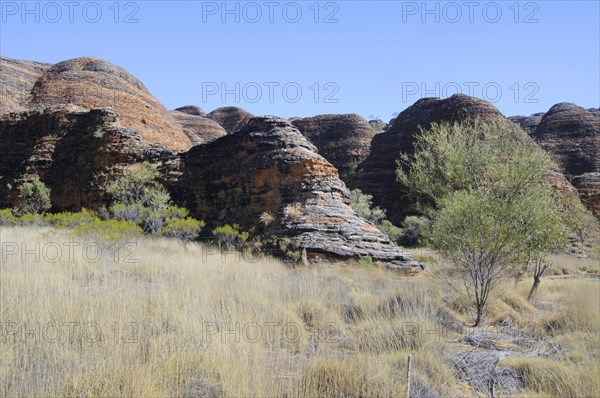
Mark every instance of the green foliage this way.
pixel 230 236
pixel 137 185
pixel 109 231
pixel 366 262
pixel 29 219
pixel 70 220
pixel 139 197
pixel 414 231
pixel 35 198
pixel 184 229
pixel 484 190
pixel 7 217
pixel 394 232
pixel 469 156
pixel 291 251
pixel 362 204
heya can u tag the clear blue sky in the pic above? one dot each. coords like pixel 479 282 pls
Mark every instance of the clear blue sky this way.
pixel 372 58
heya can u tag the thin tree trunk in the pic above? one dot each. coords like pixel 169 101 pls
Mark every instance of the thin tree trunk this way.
pixel 479 315
pixel 534 288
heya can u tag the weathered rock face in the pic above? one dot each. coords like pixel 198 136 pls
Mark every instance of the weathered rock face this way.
pixel 73 150
pixel 269 166
pixel 344 140
pixel 94 83
pixel 588 186
pixel 571 134
pixel 192 110
pixel 377 174
pixel 198 129
pixel 528 123
pixel 378 125
pixel 231 118
pixel 17 78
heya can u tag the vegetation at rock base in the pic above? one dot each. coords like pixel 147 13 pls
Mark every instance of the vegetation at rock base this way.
pixel 230 236
pixel 413 228
pixel 35 198
pixel 484 190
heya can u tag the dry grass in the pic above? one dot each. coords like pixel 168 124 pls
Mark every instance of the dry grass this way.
pixel 164 321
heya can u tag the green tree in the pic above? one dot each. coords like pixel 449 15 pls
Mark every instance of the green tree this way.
pixel 35 198
pixel 138 196
pixel 185 229
pixel 484 190
pixel 230 236
pixel 362 204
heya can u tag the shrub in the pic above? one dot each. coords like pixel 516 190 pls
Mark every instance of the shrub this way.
pixel 184 229
pixel 362 204
pixel 137 185
pixel 35 198
pixel 7 217
pixel 230 236
pixel 366 262
pixel 266 218
pixel 29 219
pixel 108 231
pixel 70 220
pixel 414 231
pixel 392 231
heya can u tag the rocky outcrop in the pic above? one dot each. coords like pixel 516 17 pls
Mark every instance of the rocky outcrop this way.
pixel 528 123
pixel 378 125
pixel 571 134
pixel 75 151
pixel 95 83
pixel 17 78
pixel 377 174
pixel 344 140
pixel 269 166
pixel 198 129
pixel 192 110
pixel 231 118
pixel 588 186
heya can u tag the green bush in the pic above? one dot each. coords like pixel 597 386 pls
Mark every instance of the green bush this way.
pixel 230 236
pixel 414 231
pixel 35 198
pixel 138 197
pixel 366 262
pixel 28 219
pixel 107 230
pixel 394 232
pixel 184 229
pixel 362 204
pixel 70 220
pixel 7 217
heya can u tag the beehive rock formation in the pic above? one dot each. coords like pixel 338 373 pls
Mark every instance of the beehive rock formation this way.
pixel 344 140
pixel 75 151
pixel 192 110
pixel 17 78
pixel 269 166
pixel 95 83
pixel 528 123
pixel 198 129
pixel 571 134
pixel 376 175
pixel 231 118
